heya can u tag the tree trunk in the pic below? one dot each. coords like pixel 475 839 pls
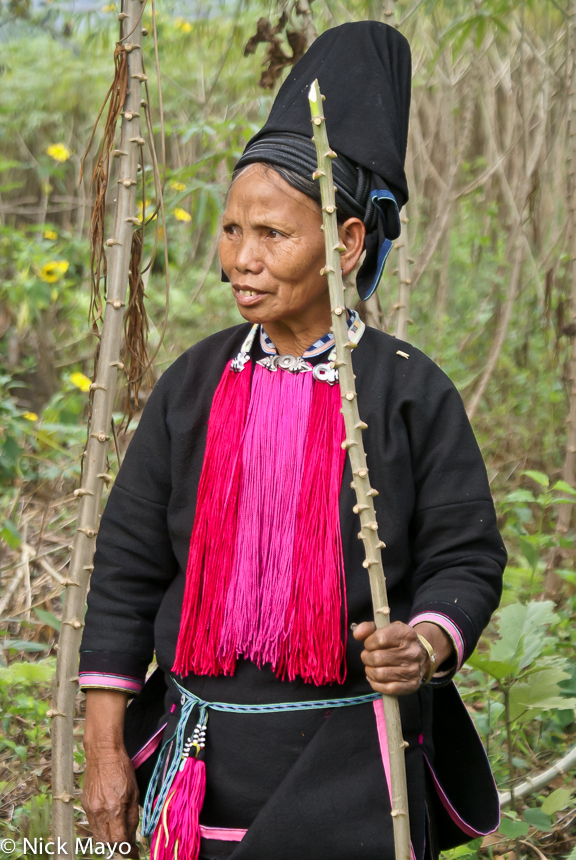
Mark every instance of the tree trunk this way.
pixel 554 583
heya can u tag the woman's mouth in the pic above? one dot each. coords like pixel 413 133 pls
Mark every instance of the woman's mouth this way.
pixel 247 297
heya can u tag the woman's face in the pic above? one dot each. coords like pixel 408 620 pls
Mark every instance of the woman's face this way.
pixel 272 248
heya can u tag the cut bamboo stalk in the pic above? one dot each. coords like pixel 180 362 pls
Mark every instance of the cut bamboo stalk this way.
pixel 540 780
pixel 355 447
pixel 94 473
pixel 404 281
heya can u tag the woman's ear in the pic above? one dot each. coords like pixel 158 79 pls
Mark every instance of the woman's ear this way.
pixel 352 233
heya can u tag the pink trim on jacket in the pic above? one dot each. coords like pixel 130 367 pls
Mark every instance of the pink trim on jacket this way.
pixel 149 747
pixel 224 834
pixel 448 626
pixel 110 682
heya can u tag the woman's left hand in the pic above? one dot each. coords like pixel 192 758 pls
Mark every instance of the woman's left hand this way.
pixel 396 661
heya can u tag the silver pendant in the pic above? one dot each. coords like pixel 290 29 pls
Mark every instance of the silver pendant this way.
pixel 240 361
pixel 291 363
pixel 325 373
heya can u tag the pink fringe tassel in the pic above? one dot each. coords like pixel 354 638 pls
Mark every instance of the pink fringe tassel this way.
pixel 214 532
pixel 177 834
pixel 313 646
pixel 272 463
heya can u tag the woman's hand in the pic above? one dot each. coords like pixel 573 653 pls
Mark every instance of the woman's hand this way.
pixel 110 795
pixel 396 661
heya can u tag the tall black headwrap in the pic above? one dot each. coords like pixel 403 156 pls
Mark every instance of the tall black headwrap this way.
pixel 364 70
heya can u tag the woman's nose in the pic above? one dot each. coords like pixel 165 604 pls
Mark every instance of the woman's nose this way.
pixel 248 257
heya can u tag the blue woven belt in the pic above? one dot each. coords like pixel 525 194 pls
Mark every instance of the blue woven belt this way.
pixel 153 803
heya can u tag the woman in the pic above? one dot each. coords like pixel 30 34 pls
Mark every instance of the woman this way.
pixel 229 544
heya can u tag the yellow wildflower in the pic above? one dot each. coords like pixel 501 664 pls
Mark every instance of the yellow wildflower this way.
pixel 53 270
pixel 177 186
pixel 186 27
pixel 110 7
pixel 30 416
pixel 50 234
pixel 182 215
pixel 80 381
pixel 59 152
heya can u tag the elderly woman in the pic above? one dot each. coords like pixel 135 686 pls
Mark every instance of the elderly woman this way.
pixel 229 547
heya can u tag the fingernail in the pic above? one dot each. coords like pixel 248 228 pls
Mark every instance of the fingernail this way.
pixel 353 626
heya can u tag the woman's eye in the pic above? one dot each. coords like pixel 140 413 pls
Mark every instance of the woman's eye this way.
pixel 274 234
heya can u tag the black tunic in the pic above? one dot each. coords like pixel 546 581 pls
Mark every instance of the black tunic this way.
pixel 307 783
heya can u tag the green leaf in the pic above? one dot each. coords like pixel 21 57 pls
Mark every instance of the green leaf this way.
pixel 18 673
pixel 540 693
pixel 539 477
pixel 539 819
pixel 10 534
pixel 22 645
pixel 572 855
pixel 49 619
pixel 521 629
pixel 498 669
pixel 563 487
pixel 556 801
pixel 529 552
pixel 513 829
pixel 520 496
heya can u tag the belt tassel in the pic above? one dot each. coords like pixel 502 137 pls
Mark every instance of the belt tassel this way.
pixel 177 833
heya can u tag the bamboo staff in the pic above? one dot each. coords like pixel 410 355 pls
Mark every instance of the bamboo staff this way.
pixel 94 473
pixel 353 444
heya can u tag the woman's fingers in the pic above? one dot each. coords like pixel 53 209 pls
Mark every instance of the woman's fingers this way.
pixel 110 798
pixel 395 660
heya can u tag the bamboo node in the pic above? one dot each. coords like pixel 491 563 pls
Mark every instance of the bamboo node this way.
pixel 350 395
pixel 361 425
pixel 95 386
pixel 54 713
pixel 325 270
pixel 65 798
pixel 127 183
pixel 337 363
pixel 117 364
pixel 132 220
pixel 111 242
pixel 350 345
pixel 373 525
pixel 330 154
pixel 368 561
pixel 129 47
pixel 122 16
pixel 357 509
pixel 340 247
pixel 383 610
pixel 404 745
pixel 349 443
pixel 67 582
pixel 118 152
pixel 74 679
pixel 104 476
pixel 402 354
pixel 89 567
pixel 352 485
pixel 90 533
pixel 360 536
pixel 116 303
pixel 139 140
pixel 338 311
pixel 143 102
pixel 318 173
pixel 372 492
pixel 82 491
pixel 361 472
pixel 144 31
pixel 380 545
pixel 75 624
pixel 318 120
pixel 140 76
pixel 329 209
pixel 396 812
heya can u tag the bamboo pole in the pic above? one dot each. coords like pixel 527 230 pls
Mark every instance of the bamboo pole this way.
pixel 404 281
pixel 354 445
pixel 94 474
pixel 534 783
pixel 554 583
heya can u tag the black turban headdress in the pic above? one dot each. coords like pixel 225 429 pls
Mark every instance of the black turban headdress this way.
pixel 364 70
